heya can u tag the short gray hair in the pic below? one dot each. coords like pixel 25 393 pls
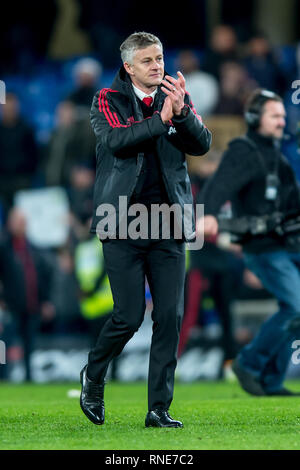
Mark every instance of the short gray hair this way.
pixel 137 41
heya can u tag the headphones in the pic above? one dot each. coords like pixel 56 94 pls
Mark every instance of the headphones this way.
pixel 253 113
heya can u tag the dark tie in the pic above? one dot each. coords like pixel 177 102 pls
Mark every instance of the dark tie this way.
pixel 148 100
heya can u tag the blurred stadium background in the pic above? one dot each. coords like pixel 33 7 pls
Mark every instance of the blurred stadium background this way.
pixel 54 294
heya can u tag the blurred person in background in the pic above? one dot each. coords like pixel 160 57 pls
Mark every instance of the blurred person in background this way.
pixel 235 87
pixel 210 269
pixel 262 65
pixel 64 295
pixel 72 142
pixel 26 277
pixel 95 297
pixel 260 183
pixel 87 73
pixel 202 86
pixel 223 48
pixel 80 194
pixel 18 150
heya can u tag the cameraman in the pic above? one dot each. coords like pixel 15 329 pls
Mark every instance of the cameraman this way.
pixel 259 181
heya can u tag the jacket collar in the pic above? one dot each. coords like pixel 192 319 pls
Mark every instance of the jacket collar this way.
pixel 141 95
pixel 261 139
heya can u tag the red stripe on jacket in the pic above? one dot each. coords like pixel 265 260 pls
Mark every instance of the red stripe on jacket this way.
pixel 112 118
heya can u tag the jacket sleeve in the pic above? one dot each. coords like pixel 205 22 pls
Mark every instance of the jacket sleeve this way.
pixel 117 137
pixel 291 194
pixel 194 135
pixel 235 171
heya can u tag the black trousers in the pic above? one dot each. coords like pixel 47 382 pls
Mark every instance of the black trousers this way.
pixel 128 262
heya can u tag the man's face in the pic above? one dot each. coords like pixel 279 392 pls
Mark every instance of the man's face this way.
pixel 272 121
pixel 147 68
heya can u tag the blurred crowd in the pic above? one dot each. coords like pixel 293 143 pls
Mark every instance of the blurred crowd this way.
pixel 63 288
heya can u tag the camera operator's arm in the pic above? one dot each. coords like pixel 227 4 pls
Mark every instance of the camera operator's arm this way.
pixel 291 194
pixel 207 226
pixel 236 170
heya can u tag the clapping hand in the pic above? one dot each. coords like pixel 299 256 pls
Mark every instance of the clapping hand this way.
pixel 175 91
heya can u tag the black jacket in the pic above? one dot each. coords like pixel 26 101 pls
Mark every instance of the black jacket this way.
pixel 121 133
pixel 241 179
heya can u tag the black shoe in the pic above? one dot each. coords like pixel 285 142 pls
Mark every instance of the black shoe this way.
pixel 91 398
pixel 247 381
pixel 161 419
pixel 282 392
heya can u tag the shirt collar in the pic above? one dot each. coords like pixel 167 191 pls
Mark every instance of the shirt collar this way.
pixel 141 95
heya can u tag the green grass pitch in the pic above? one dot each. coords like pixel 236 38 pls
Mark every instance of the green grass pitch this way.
pixel 216 415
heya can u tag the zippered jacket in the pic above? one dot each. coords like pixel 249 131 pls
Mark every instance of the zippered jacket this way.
pixel 121 133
